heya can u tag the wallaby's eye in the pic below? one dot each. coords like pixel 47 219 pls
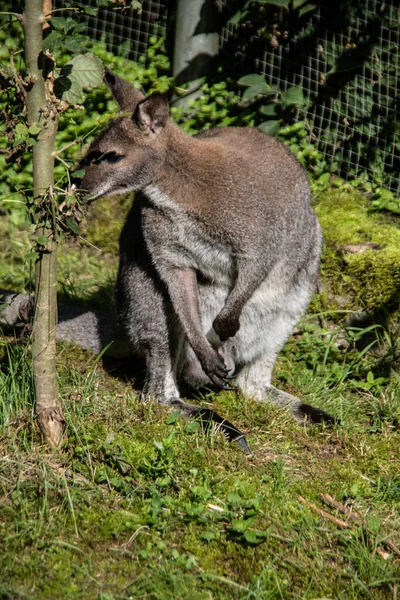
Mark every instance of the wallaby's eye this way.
pixel 92 157
pixel 112 157
pixel 96 157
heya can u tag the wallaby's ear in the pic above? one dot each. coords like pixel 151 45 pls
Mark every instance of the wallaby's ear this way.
pixel 125 95
pixel 152 113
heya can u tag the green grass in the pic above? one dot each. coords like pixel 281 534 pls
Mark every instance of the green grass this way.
pixel 137 503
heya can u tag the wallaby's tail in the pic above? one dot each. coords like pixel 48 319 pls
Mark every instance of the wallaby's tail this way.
pixel 90 330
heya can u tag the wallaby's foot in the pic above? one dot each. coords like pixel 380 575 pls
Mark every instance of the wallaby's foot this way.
pixel 315 415
pixel 209 418
pixel 300 410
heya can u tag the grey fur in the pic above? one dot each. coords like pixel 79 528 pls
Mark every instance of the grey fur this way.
pixel 219 256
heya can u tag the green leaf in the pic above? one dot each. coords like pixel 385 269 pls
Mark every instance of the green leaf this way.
pixel 80 27
pixel 255 90
pixel 253 79
pixel 89 10
pixel 61 23
pixel 163 481
pixel 270 127
pixel 31 256
pixel 74 43
pixel 21 129
pixel 193 427
pixel 234 499
pixel 324 178
pixel 307 8
pixel 284 3
pixel 293 95
pixel 84 71
pixel 72 225
pixel 135 5
pixel 41 240
pixel 88 70
pixel 53 41
pixel 269 110
pixel 254 537
pixel 239 525
pixel 34 129
pixel 208 536
pixel 173 417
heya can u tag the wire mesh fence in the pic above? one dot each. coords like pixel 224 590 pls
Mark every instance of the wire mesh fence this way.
pixel 126 31
pixel 344 55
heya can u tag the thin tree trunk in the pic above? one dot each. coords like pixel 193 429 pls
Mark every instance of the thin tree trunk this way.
pixel 40 112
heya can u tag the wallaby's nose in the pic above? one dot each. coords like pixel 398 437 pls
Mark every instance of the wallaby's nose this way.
pixel 76 182
pixel 76 179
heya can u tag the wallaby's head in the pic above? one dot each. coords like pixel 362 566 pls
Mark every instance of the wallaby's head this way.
pixel 124 155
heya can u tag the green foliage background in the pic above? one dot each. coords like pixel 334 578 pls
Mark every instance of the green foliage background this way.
pixel 138 503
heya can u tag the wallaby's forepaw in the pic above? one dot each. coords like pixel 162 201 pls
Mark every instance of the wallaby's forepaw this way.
pixel 215 368
pixel 226 326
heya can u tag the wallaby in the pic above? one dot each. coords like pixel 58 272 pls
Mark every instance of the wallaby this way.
pixel 219 255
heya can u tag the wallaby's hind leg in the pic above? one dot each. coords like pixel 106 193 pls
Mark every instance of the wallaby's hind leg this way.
pixel 269 331
pixel 155 333
pixel 143 317
pixel 255 381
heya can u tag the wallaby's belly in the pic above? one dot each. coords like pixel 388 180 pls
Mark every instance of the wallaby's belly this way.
pixel 176 238
pixel 276 305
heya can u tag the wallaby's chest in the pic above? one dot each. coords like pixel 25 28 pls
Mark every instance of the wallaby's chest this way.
pixel 178 239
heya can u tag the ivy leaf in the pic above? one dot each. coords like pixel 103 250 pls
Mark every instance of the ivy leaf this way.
pixel 271 127
pixel 293 95
pixel 84 71
pixel 269 110
pixel 252 79
pixel 255 90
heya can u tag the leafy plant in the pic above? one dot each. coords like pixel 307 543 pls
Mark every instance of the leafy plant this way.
pixel 42 94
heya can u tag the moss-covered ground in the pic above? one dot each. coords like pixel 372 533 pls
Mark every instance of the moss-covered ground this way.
pixel 139 503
